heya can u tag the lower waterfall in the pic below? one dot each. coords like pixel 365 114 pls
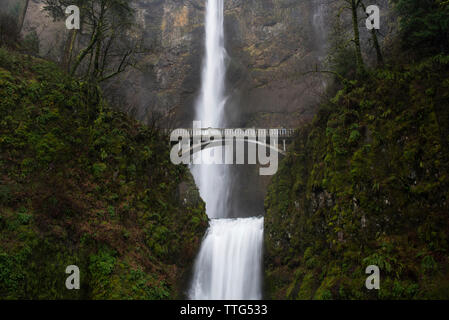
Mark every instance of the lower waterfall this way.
pixel 229 262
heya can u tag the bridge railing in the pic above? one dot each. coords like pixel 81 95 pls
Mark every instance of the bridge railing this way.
pixel 190 132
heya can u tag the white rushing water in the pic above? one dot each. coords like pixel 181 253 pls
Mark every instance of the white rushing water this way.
pixel 213 180
pixel 229 262
pixel 210 107
pixel 228 265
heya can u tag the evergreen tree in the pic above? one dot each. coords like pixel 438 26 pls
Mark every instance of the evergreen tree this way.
pixel 424 25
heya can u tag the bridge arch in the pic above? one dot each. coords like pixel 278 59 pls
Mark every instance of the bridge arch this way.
pixel 222 143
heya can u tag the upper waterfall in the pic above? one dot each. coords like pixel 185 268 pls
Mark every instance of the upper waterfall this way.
pixel 212 180
pixel 210 107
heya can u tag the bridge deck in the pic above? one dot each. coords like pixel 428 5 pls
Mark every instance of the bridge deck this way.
pixel 190 132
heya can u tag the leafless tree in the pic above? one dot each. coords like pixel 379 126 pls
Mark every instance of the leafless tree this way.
pixel 112 37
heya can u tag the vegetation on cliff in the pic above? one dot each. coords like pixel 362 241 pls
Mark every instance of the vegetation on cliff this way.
pixel 367 183
pixel 84 185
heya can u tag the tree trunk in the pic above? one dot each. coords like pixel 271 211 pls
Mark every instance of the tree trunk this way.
pixel 84 52
pixel 355 25
pixel 380 59
pixel 24 12
pixel 68 52
pixel 97 60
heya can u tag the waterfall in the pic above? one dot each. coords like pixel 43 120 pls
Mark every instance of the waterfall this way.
pixel 228 265
pixel 229 262
pixel 210 108
pixel 212 180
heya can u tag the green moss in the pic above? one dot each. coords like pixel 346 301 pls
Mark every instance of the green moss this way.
pixel 366 183
pixel 83 184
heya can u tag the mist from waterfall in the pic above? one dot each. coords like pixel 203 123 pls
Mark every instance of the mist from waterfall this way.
pixel 228 265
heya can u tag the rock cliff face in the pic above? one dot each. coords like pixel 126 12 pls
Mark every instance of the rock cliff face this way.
pixel 269 44
pixel 173 31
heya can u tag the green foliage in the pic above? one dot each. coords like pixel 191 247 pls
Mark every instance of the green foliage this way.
pixel 428 264
pixel 98 168
pixel 23 217
pixel 424 25
pixel 366 184
pixel 31 42
pixel 342 56
pixel 83 184
pixel 354 136
pixel 102 264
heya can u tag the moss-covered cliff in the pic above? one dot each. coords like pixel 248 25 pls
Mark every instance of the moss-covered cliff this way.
pixel 84 185
pixel 367 183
